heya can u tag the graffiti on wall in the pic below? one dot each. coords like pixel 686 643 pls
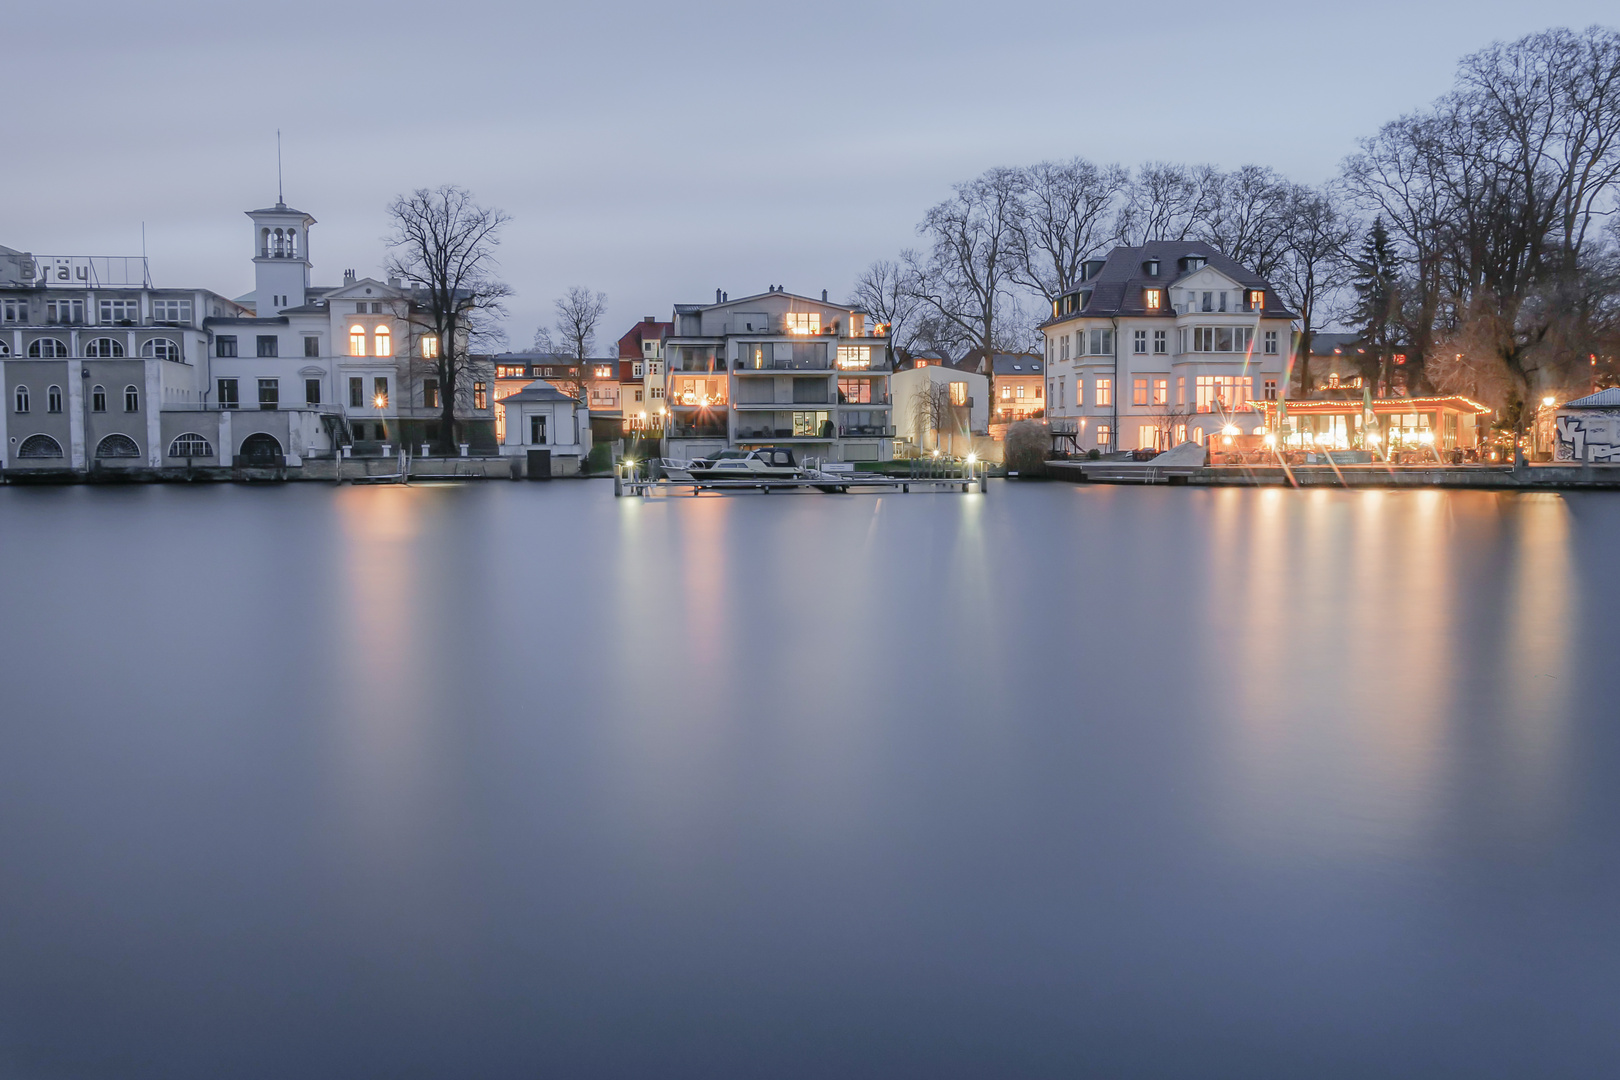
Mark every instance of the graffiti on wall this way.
pixel 1589 435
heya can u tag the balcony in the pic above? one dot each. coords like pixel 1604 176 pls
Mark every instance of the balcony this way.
pixel 278 253
pixel 866 431
pixel 877 401
pixel 696 431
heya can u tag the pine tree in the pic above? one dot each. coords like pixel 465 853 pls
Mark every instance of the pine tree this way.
pixel 1377 291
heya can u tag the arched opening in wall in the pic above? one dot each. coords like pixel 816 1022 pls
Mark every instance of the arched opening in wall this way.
pixel 39 446
pixel 117 446
pixel 264 242
pixel 191 444
pixel 261 449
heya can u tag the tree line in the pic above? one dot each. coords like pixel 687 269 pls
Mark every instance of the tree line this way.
pixel 1474 245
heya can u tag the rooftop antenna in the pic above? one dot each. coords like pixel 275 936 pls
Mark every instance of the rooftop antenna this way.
pixel 281 201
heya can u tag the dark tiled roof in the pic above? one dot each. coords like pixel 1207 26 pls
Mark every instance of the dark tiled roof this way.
pixel 1116 289
pixel 540 390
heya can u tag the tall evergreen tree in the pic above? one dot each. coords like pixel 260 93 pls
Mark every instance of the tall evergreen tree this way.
pixel 1377 289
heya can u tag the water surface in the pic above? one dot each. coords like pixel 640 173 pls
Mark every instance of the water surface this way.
pixel 518 780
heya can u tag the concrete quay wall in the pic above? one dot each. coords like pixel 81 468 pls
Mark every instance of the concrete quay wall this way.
pixel 1529 477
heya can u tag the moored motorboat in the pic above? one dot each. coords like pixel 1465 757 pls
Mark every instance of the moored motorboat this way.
pixel 765 463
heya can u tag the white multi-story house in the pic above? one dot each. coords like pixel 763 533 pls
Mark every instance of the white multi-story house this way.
pixel 104 371
pixel 1164 343
pixel 777 368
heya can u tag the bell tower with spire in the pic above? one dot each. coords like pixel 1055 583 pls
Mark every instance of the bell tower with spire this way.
pixel 280 258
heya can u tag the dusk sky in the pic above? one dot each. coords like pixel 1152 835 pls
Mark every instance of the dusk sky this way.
pixel 660 151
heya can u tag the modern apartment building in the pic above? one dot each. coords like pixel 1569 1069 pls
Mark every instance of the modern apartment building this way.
pixel 777 368
pixel 1164 343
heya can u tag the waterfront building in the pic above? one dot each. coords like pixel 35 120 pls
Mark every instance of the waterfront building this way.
pixel 1387 426
pixel 941 407
pixel 594 382
pixel 777 368
pixel 641 378
pixel 1588 428
pixel 1163 343
pixel 548 427
pixel 104 371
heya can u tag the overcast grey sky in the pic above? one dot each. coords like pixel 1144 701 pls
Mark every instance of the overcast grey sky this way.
pixel 658 151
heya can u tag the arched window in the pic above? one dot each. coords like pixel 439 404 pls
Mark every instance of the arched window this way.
pixel 21 402
pixel 161 348
pixel 53 399
pixel 98 399
pixel 264 242
pixel 132 399
pixel 357 341
pixel 39 446
pixel 117 446
pixel 261 449
pixel 5 348
pixel 292 243
pixel 48 347
pixel 384 342
pixel 191 444
pixel 104 347
pixel 279 249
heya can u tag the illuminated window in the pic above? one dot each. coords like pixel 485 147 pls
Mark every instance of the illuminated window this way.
pixel 1139 392
pixel 1147 437
pixel 430 393
pixel 1105 394
pixel 958 393
pixel 855 391
pixel 480 395
pixel 380 391
pixel 1153 299
pixel 854 356
pixel 430 346
pixel 1257 299
pixel 804 322
pixel 1161 391
pixel 604 372
pixel 357 341
pixel 1019 393
pixel 1229 392
pixel 1181 395
pixel 383 342
pixel 1006 393
pixel 1104 436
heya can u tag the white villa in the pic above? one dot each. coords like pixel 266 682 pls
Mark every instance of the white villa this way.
pixel 1164 343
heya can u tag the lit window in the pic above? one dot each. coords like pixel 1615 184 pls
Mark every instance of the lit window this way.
pixel 480 395
pixel 380 391
pixel 1228 392
pixel 1139 392
pixel 1257 299
pixel 1147 437
pixel 1104 436
pixel 1161 391
pixel 384 342
pixel 357 341
pixel 854 356
pixel 430 346
pixel 958 393
pixel 1006 393
pixel 1152 299
pixel 855 391
pixel 804 322
pixel 1105 394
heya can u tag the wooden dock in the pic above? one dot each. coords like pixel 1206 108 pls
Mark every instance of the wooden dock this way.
pixel 851 484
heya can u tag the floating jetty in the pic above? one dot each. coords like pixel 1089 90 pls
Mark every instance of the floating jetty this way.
pixel 851 483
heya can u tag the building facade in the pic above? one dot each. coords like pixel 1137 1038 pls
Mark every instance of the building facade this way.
pixel 641 377
pixel 104 371
pixel 1162 344
pixel 777 368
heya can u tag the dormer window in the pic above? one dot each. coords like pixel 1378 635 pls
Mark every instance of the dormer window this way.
pixel 1152 299
pixel 1091 268
pixel 1151 268
pixel 1257 300
pixel 1193 262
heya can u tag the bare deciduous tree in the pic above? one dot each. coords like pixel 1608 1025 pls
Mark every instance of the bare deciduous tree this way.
pixel 443 245
pixel 578 313
pixel 1315 267
pixel 884 293
pixel 1067 215
pixel 1166 201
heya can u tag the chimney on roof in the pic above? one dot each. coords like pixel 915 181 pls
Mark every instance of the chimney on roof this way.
pixel 649 318
pixel 394 283
pixel 823 296
pixel 348 277
pixel 717 296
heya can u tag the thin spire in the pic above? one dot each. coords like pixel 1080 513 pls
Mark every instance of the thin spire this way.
pixel 281 201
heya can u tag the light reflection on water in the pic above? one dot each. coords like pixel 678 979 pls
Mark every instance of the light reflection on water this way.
pixel 522 779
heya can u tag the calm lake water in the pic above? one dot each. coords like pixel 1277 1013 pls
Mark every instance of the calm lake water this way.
pixel 520 780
